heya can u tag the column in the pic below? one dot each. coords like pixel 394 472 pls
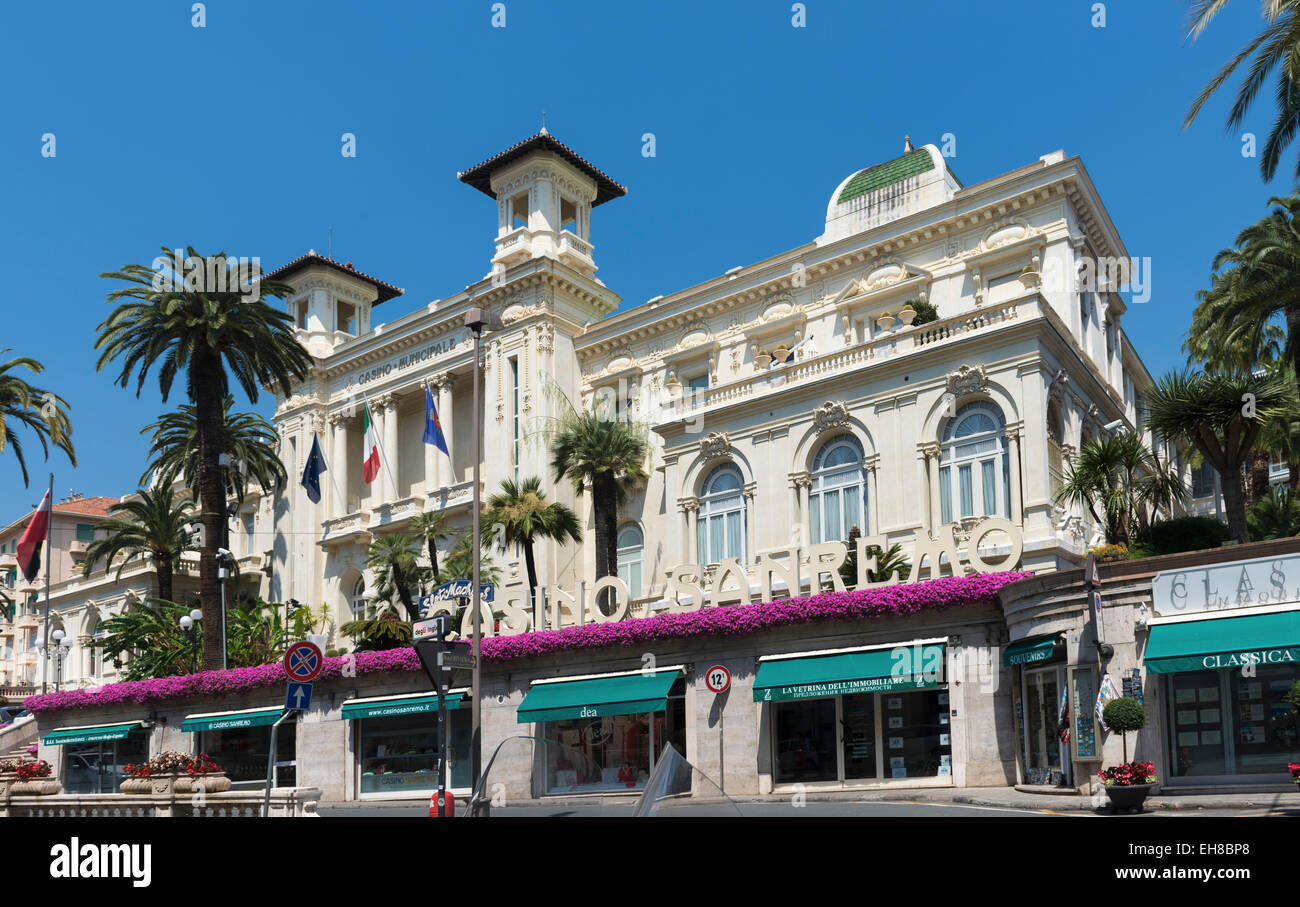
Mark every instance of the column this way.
pixel 690 513
pixel 873 499
pixel 1013 451
pixel 391 489
pixel 931 454
pixel 751 549
pixel 446 470
pixel 799 482
pixel 432 456
pixel 339 463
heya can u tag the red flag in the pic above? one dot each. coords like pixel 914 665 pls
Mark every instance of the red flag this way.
pixel 29 546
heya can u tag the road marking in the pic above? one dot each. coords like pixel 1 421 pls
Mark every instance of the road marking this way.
pixel 1001 809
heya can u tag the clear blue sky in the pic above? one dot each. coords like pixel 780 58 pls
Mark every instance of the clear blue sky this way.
pixel 228 138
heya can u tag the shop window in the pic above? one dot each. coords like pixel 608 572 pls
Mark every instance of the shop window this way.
pixel 400 753
pixel 973 472
pixel 243 753
pixel 1231 726
pixel 862 737
pixel 615 752
pixel 720 528
pixel 98 768
pixel 837 500
pixel 1043 715
pixel 630 547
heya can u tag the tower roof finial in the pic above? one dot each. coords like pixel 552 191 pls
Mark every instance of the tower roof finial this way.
pixel 544 132
pixel 907 144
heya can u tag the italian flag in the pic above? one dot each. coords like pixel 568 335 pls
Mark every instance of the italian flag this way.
pixel 369 449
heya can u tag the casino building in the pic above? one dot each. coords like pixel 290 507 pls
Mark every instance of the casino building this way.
pixel 925 364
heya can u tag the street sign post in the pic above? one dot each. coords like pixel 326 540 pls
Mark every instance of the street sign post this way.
pixel 717 679
pixel 433 650
pixel 298 696
pixel 431 627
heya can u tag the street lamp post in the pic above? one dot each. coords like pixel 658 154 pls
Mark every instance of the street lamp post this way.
pixel 224 558
pixel 187 622
pixel 478 321
pixel 58 651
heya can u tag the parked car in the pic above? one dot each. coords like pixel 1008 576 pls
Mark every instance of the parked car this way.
pixel 11 713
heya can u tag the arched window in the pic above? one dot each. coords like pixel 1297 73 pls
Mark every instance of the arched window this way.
pixel 630 545
pixel 1055 438
pixel 720 530
pixel 973 468
pixel 362 608
pixel 837 500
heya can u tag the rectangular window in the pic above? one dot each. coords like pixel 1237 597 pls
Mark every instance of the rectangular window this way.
pixel 346 317
pixel 990 489
pixel 698 382
pixel 615 752
pixel 967 491
pixel 945 494
pixel 242 753
pixel 97 768
pixel 514 396
pixel 400 753
pixel 85 532
pixel 302 314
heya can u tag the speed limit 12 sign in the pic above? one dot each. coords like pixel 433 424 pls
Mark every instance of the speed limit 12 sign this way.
pixel 717 679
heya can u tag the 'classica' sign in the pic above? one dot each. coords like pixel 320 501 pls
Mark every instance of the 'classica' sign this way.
pixel 784 569
pixel 1240 584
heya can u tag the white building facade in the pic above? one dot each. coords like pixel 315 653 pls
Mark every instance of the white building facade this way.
pixel 786 401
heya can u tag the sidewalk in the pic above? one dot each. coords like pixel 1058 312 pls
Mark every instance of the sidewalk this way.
pixel 998 797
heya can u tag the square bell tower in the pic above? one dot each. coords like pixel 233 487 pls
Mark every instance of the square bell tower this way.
pixel 544 193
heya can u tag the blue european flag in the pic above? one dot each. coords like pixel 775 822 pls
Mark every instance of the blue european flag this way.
pixel 311 474
pixel 432 426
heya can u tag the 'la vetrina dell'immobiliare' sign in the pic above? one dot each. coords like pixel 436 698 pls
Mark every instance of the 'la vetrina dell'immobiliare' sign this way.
pixel 781 569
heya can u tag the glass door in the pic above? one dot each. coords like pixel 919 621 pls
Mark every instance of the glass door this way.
pixel 1042 698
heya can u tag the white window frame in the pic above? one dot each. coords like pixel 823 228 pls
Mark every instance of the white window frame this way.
pixel 632 555
pixel 718 505
pixel 951 465
pixel 819 492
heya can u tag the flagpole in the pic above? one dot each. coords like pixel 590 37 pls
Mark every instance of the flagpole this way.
pixel 451 467
pixel 383 455
pixel 338 495
pixel 49 532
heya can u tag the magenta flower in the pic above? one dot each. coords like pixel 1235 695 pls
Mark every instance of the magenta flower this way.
pixel 887 601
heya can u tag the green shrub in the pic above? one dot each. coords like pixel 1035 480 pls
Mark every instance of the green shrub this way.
pixel 1124 714
pixel 925 312
pixel 1293 697
pixel 1186 533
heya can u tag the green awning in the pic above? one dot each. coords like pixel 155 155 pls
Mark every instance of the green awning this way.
pixel 1028 651
pixel 1224 642
pixel 876 671
pixel 387 708
pixel 225 721
pixel 631 694
pixel 92 734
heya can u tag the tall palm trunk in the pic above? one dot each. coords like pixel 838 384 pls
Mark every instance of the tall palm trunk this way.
pixel 404 593
pixel 433 558
pixel 1257 489
pixel 532 568
pixel 205 373
pixel 604 500
pixel 1234 504
pixel 164 565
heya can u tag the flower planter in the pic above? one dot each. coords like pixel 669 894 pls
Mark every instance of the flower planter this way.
pixel 1030 279
pixel 780 354
pixel 907 316
pixel 763 360
pixel 37 787
pixel 1128 797
pixel 885 323
pixel 135 785
pixel 210 783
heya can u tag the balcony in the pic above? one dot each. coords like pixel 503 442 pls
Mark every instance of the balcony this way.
pixel 7 560
pixel 905 342
pixel 78 547
pixel 396 514
pixel 350 528
pixel 452 497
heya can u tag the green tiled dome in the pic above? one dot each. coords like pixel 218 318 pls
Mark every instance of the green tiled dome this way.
pixel 886 174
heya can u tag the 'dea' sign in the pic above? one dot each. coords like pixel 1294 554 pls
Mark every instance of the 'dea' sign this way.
pixel 782 569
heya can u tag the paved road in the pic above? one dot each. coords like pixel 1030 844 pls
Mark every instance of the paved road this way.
pixel 876 809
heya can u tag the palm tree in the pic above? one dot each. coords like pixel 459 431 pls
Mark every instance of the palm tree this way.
pixel 459 562
pixel 1222 414
pixel 208 335
pixel 154 524
pixel 522 510
pixel 1256 284
pixel 609 455
pixel 1274 516
pixel 392 558
pixel 258 634
pixel 149 640
pixel 23 404
pixel 1123 484
pixel 247 438
pixel 386 631
pixel 432 527
pixel 1278 43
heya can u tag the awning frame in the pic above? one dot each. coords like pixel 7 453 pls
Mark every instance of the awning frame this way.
pixel 131 726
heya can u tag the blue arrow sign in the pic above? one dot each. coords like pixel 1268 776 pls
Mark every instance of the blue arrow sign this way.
pixel 298 696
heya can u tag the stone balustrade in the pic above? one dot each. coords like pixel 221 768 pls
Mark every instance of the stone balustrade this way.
pixel 286 802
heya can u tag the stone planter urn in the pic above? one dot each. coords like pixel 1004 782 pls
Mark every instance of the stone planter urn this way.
pixel 781 353
pixel 37 787
pixel 907 315
pixel 885 323
pixel 1030 279
pixel 1128 797
pixel 763 360
pixel 134 785
pixel 212 783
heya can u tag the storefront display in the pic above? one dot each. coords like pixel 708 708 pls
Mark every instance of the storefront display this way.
pixel 98 767
pixel 400 753
pixel 243 752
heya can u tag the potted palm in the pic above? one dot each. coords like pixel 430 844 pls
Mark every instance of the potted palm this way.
pixel 1128 783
